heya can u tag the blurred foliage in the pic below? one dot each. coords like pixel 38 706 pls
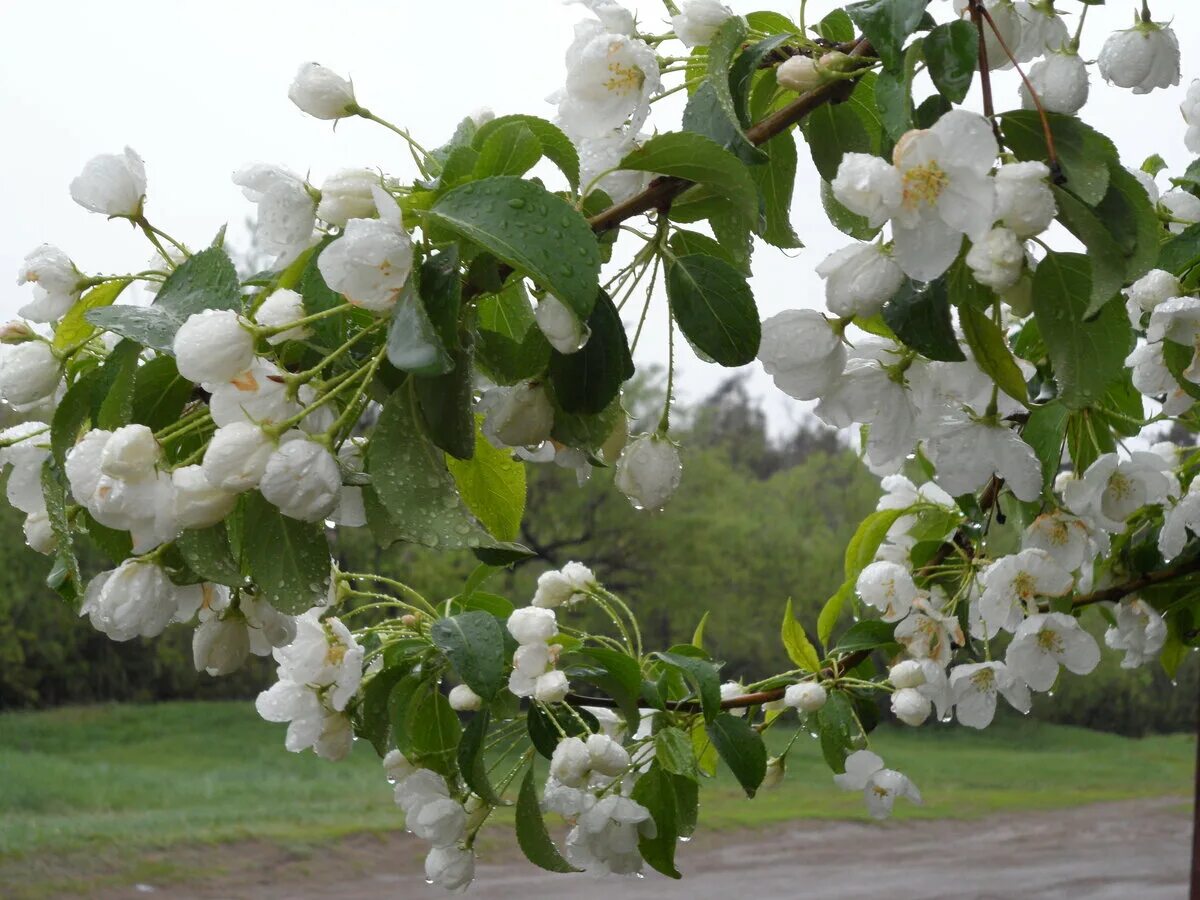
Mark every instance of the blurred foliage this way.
pixel 758 518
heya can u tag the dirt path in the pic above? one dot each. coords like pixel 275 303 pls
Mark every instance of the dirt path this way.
pixel 1106 852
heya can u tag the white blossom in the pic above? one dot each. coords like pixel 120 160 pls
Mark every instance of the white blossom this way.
pixel 910 706
pixel 1046 641
pixel 372 259
pixel 1183 207
pixel 1060 81
pixel 859 279
pixel 610 79
pixel 1112 489
pixel 870 393
pixel 303 479
pixel 801 353
pixel 518 416
pixel 28 372
pixel 280 308
pixel 1011 588
pixel 137 599
pixel 441 822
pixel 1008 22
pixel 1148 292
pixel 450 868
pixel 322 93
pixel 1069 540
pixel 111 184
pixel 565 331
pixel 57 283
pixel 347 194
pixel 1191 116
pixel 807 696
pixel 213 345
pixel 975 687
pixel 463 699
pixel 1140 631
pixel 880 786
pixel 237 456
pixel 868 186
pixel 286 210
pixel 532 625
pixel 1042 30
pixel 563 587
pixel 1024 201
pixel 997 259
pixel 605 840
pixel 968 452
pixel 798 73
pixel 1181 518
pixel 928 632
pixel 698 21
pixel 612 15
pixel 648 471
pixel 887 587
pixel 1144 57
pixel 198 502
pixel 600 153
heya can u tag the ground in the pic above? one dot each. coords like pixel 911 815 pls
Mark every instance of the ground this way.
pixel 201 800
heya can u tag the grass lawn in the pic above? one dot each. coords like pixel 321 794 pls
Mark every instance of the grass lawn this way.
pixel 114 781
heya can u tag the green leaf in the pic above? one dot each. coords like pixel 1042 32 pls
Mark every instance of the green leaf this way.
pixel 1045 432
pixel 432 729
pixel 893 94
pixel 74 328
pixel 843 220
pixel 799 648
pixel 413 344
pixel 921 319
pixel 206 280
pixel 723 47
pixel 512 149
pixel 866 635
pixel 1181 252
pixel 887 24
pixel 1131 218
pixel 836 27
pixel 1108 268
pixel 683 154
pixel 673 751
pixel 73 412
pixel 776 181
pixel 952 54
pixel 1084 154
pixel 742 749
pixel 532 230
pixel 474 644
pixel 207 553
pixel 159 393
pixel 556 146
pixel 1087 356
pixel 840 731
pixel 511 347
pixel 589 379
pixel 532 836
pixel 147 325
pixel 714 307
pixel 375 723
pixel 288 560
pixel 865 541
pixel 64 577
pixel 655 790
pixel 686 243
pixel 833 130
pixel 703 674
pixel 472 760
pixel 991 352
pixel 115 388
pixel 832 610
pixel 747 65
pixel 409 475
pixel 492 485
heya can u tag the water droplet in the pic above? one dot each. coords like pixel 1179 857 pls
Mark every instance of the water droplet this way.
pixel 516 203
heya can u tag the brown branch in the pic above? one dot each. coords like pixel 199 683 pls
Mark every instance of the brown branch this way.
pixel 758 697
pixel 662 191
pixel 1116 592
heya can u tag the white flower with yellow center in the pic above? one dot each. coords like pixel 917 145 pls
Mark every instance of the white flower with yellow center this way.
pixel 887 587
pixel 1140 631
pixel 946 191
pixel 1113 489
pixel 928 632
pixel 976 686
pixel 1068 539
pixel 1046 641
pixel 880 786
pixel 610 79
pixel 1011 588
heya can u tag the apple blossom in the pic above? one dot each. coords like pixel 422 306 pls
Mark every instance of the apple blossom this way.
pixel 798 73
pixel 213 345
pixel 1024 201
pixel 518 416
pixel 1060 81
pixel 1011 587
pixel 1144 57
pixel 286 209
pixel 562 328
pixel 975 686
pixel 859 279
pixel 802 353
pixel 649 471
pixel 28 372
pixel 322 93
pixel 111 184
pixel 1046 641
pixel 887 587
pixel 910 706
pixel 698 21
pixel 1191 115
pixel 303 479
pixel 347 194
pixel 880 786
pixel 280 308
pixel 1140 631
pixel 807 696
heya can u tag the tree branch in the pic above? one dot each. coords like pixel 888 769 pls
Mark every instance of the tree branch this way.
pixel 1116 592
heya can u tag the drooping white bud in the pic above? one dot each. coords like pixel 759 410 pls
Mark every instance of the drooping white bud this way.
pixel 859 279
pixel 322 93
pixel 346 195
pixel 463 699
pixel 996 259
pixel 802 353
pixel 28 372
pixel 213 346
pixel 562 328
pixel 698 21
pixel 807 696
pixel 799 74
pixel 237 456
pixel 131 453
pixel 520 415
pixel 198 502
pixel 649 471
pixel 280 308
pixel 1060 81
pixel 1024 201
pixel 910 706
pixel 1143 58
pixel 303 479
pixel 112 185
pixel 531 625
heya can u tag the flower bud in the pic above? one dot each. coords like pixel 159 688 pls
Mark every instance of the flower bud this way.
pixel 910 706
pixel 698 21
pixel 551 687
pixel 372 259
pixel 859 279
pixel 450 868
pixel 441 821
pixel 802 353
pixel 1182 206
pixel 397 766
pixel 322 93
pixel 799 74
pixel 112 185
pixel 649 471
pixel 131 453
pixel 38 534
pixel 212 346
pixel 607 756
pixel 562 328
pixel 907 674
pixel 530 625
pixel 280 308
pixel 303 479
pixel 1060 81
pixel 1144 57
pixel 776 767
pixel 1024 202
pixel 807 696
pixel 519 416
pixel 346 195
pixel 237 456
pixel 463 699
pixel 997 259
pixel 571 764
pixel 16 332
pixel 28 372
pixel 199 503
pixel 221 645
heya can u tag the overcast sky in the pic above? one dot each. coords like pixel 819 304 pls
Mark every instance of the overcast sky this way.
pixel 201 89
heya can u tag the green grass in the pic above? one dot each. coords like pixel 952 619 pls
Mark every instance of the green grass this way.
pixel 117 781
